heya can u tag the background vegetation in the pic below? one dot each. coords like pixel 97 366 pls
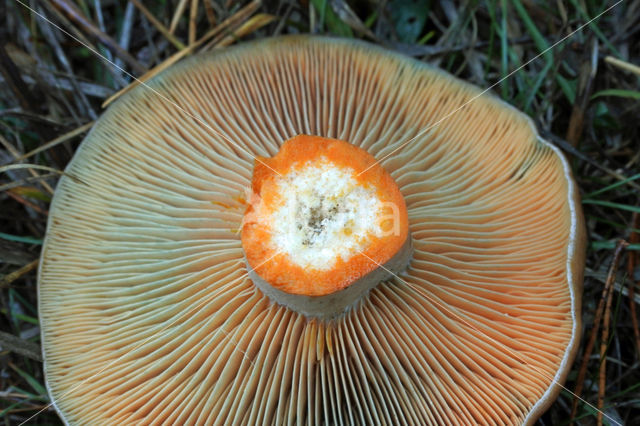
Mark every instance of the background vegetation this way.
pixel 583 93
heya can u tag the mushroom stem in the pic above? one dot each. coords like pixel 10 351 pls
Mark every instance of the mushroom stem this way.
pixel 335 304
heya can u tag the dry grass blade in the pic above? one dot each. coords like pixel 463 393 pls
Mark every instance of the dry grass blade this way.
pixel 27 203
pixel 16 154
pixel 177 15
pixel 633 261
pixel 568 148
pixel 76 14
pixel 60 139
pixel 33 166
pixel 347 15
pixel 11 277
pixel 209 12
pixel 606 293
pixel 28 166
pixel 20 182
pixel 253 24
pixel 587 74
pixel 15 82
pixel 193 15
pixel 626 66
pixel 230 22
pixel 12 343
pixel 604 341
pixel 66 23
pixel 154 21
pixel 47 28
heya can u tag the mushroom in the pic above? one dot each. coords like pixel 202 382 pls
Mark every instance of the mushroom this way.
pixel 158 299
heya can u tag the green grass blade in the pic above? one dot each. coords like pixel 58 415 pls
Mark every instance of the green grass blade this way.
pixel 532 29
pixel 620 93
pixel 610 187
pixel 19 239
pixel 504 54
pixel 594 27
pixel 619 206
pixel 610 245
pixel 35 384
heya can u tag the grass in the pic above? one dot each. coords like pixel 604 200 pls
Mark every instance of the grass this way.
pixel 583 94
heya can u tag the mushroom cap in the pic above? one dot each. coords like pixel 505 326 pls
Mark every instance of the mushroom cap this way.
pixel 148 314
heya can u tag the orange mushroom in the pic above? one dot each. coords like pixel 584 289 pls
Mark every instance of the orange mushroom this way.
pixel 155 309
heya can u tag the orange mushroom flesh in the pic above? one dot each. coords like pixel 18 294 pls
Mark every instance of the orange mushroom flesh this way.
pixel 323 217
pixel 149 314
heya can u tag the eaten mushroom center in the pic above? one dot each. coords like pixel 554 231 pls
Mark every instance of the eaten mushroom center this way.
pixel 320 213
pixel 325 224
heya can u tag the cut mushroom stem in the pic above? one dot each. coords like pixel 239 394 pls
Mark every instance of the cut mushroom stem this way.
pixel 324 225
